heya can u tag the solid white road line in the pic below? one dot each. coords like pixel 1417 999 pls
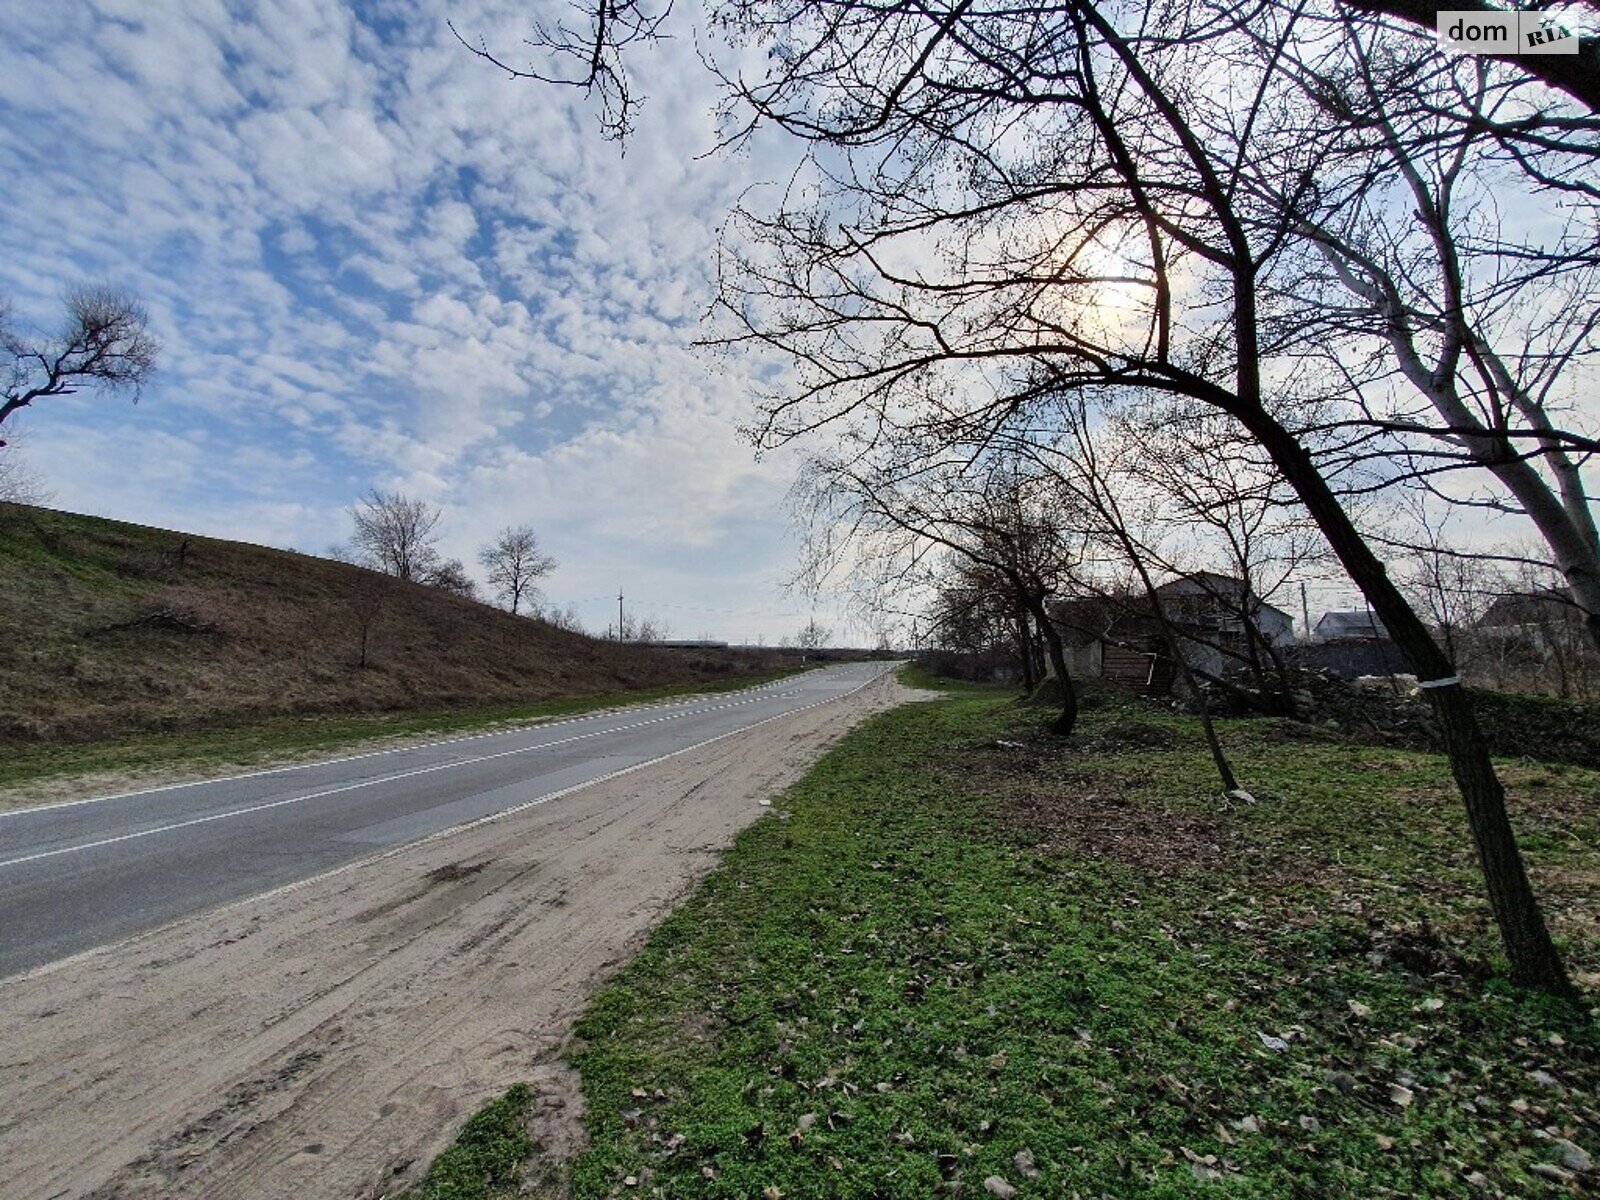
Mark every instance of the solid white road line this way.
pixel 439 835
pixel 326 762
pixel 390 778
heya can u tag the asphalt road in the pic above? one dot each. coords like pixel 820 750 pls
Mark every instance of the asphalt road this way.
pixel 79 875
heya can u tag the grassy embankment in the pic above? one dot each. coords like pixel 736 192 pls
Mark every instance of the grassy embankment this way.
pixel 116 629
pixel 134 650
pixel 961 952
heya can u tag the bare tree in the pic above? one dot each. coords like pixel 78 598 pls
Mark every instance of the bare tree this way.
pixel 1012 205
pixel 395 534
pixel 19 483
pixel 366 604
pixel 1084 464
pixel 450 575
pixel 977 507
pixel 1454 587
pixel 567 619
pixel 1059 271
pixel 1218 516
pixel 636 628
pixel 974 611
pixel 515 564
pixel 1443 279
pixel 811 636
pixel 591 59
pixel 104 344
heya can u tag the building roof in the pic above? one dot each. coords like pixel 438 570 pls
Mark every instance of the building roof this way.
pixel 1203 604
pixel 1538 607
pixel 1210 585
pixel 1350 623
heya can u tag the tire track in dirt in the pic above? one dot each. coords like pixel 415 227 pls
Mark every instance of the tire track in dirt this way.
pixel 327 1040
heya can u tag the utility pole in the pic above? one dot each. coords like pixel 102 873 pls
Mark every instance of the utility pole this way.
pixel 1305 614
pixel 619 614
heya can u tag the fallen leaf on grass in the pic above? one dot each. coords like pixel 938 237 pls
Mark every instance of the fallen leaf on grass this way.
pixel 1023 1161
pixel 1551 1172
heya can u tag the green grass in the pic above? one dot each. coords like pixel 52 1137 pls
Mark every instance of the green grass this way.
pixel 258 742
pixel 915 675
pixel 484 1160
pixel 960 947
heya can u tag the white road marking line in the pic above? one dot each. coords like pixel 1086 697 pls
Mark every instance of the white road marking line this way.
pixel 350 787
pixel 328 762
pixel 438 835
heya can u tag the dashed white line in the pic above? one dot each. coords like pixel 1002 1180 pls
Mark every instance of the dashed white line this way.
pixel 390 852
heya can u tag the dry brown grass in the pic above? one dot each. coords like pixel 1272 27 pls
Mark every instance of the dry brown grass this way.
pixel 115 628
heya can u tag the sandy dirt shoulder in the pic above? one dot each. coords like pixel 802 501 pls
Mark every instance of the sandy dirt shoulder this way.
pixel 327 1039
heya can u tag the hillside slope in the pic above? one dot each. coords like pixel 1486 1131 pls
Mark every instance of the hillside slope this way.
pixel 113 628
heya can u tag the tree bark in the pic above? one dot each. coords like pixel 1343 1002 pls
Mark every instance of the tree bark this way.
pixel 1534 960
pixel 1068 718
pixel 1025 649
pixel 1170 635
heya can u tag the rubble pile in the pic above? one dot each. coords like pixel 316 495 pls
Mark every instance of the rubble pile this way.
pixel 1391 710
pixel 1386 709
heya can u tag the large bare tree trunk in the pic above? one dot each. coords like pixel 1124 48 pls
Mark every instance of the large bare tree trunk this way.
pixel 1535 962
pixel 1068 718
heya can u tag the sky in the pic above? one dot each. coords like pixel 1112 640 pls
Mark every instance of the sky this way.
pixel 375 261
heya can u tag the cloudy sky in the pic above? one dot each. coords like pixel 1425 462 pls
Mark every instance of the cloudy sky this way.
pixel 373 260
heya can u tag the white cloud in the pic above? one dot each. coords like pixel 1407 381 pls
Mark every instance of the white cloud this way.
pixel 372 259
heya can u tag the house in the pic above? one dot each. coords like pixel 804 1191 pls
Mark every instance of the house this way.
pixel 1534 639
pixel 1534 624
pixel 1222 608
pixel 1111 638
pixel 1350 643
pixel 1221 623
pixel 1531 612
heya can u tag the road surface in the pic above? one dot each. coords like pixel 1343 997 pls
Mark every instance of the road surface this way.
pixel 328 1038
pixel 78 875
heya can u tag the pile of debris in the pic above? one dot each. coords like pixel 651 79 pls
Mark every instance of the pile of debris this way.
pixel 1391 710
pixel 1388 709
